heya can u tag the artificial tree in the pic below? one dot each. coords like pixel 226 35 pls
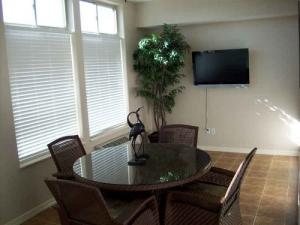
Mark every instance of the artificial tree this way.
pixel 158 62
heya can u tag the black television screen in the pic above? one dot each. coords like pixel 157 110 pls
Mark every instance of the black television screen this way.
pixel 221 67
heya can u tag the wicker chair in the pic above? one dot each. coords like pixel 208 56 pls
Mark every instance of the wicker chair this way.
pixel 219 176
pixel 179 134
pixel 199 203
pixel 82 204
pixel 65 151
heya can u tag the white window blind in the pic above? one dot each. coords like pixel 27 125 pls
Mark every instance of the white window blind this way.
pixel 42 89
pixel 106 96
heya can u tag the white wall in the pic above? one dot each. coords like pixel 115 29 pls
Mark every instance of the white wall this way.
pixel 157 12
pixel 266 114
pixel 23 189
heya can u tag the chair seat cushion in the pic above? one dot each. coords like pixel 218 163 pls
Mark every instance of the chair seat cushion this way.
pixel 64 175
pixel 120 208
pixel 146 217
pixel 187 213
pixel 202 188
pixel 216 178
pixel 207 195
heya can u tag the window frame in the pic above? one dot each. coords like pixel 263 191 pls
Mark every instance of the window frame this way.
pixel 44 153
pixel 72 26
pixel 121 129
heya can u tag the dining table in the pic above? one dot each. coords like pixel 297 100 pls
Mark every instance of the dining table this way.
pixel 169 165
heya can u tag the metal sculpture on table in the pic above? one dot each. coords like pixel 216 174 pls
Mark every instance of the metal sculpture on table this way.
pixel 137 130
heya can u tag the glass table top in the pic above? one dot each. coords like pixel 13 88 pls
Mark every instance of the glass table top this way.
pixel 167 163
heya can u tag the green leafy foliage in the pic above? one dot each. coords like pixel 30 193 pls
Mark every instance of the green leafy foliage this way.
pixel 158 61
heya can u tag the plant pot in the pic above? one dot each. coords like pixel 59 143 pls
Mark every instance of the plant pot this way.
pixel 153 137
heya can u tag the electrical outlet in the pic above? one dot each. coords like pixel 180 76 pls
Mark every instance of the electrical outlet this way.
pixel 211 131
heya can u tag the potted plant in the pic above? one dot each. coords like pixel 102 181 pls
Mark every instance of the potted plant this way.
pixel 158 61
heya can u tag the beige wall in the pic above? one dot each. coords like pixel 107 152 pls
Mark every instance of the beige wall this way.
pixel 23 189
pixel 157 12
pixel 266 114
pixel 133 35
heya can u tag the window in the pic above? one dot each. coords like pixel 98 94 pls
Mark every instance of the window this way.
pixel 23 14
pixel 98 18
pixel 107 20
pixel 50 13
pixel 42 82
pixel 88 16
pixel 35 12
pixel 106 98
pixel 41 76
pixel 42 89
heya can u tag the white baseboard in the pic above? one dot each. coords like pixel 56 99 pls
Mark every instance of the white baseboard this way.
pixel 246 150
pixel 31 213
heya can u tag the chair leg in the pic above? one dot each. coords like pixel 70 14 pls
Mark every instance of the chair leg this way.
pixel 62 218
pixel 232 217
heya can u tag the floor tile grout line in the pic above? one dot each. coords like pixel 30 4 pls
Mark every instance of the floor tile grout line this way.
pixel 261 196
pixel 287 194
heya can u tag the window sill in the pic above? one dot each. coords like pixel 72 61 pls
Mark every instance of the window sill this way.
pixel 109 135
pixel 33 160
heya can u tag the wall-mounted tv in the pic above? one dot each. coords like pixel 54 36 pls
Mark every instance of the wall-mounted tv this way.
pixel 221 67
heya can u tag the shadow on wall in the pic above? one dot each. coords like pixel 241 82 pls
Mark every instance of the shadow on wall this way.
pixel 290 122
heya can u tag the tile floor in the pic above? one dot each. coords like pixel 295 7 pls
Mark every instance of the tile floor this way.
pixel 268 195
pixel 269 190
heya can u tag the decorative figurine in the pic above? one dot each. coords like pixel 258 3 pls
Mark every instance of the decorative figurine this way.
pixel 137 130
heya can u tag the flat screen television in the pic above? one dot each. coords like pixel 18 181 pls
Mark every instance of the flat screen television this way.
pixel 221 67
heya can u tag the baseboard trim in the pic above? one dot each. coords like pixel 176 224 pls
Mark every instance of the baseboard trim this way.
pixel 31 213
pixel 246 150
